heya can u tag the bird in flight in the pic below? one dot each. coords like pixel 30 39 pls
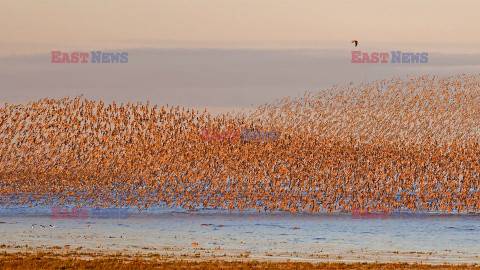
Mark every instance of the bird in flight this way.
pixel 356 42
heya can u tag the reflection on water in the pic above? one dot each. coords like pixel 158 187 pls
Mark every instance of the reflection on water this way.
pixel 278 231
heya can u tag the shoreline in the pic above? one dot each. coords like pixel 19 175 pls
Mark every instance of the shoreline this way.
pixel 200 253
pixel 167 235
pixel 75 260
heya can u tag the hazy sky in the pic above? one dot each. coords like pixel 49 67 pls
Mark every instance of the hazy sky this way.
pixel 228 53
pixel 206 77
pixel 35 26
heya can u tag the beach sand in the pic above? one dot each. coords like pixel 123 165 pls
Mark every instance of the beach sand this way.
pixel 169 235
pixel 76 260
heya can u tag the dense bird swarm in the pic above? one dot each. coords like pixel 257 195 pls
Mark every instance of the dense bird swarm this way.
pixel 397 144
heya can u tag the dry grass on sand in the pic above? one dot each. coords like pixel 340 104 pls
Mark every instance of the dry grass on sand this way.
pixel 65 261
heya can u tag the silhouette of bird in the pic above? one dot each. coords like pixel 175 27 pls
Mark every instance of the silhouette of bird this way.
pixel 355 41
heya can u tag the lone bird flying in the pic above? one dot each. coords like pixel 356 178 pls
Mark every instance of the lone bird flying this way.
pixel 356 42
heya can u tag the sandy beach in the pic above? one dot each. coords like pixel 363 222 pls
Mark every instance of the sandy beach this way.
pixel 176 234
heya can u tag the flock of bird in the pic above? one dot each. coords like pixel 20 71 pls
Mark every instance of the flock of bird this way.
pixel 408 144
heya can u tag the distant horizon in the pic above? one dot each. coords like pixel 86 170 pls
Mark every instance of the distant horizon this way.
pixel 434 25
pixel 224 78
pixel 341 45
pixel 221 53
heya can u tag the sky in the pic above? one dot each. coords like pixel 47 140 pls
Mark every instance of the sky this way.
pixel 230 53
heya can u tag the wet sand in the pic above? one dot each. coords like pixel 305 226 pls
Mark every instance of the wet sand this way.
pixel 170 235
pixel 199 253
pixel 74 260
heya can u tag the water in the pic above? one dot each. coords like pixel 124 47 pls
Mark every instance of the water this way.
pixel 433 237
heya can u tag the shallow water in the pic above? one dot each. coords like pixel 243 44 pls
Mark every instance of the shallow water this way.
pixel 281 232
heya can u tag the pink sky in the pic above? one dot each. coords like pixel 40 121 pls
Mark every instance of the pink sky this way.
pixel 224 54
pixel 34 26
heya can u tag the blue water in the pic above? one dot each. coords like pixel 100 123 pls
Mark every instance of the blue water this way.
pixel 442 234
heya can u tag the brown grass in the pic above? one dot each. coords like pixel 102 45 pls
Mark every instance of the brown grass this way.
pixel 71 261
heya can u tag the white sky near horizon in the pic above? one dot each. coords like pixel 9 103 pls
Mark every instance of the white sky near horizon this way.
pixel 35 26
